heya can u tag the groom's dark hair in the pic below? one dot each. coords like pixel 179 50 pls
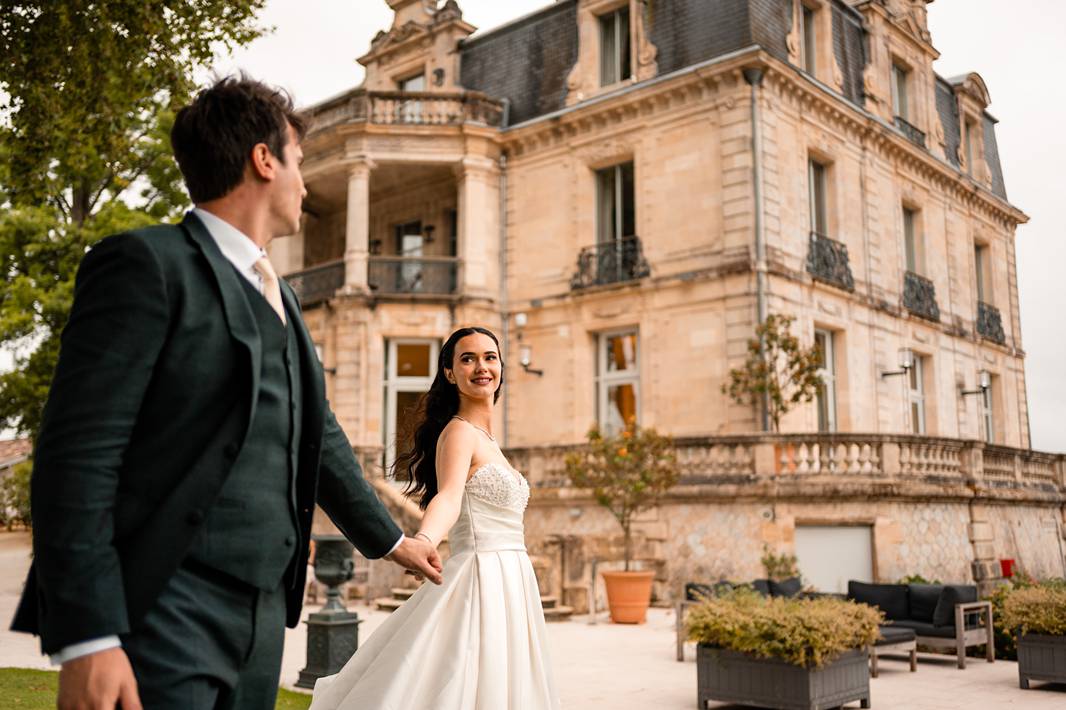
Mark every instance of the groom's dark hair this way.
pixel 213 136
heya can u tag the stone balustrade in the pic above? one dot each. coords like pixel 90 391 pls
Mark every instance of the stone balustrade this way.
pixel 419 108
pixel 893 466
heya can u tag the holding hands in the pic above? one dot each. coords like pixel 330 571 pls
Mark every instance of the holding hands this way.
pixel 419 557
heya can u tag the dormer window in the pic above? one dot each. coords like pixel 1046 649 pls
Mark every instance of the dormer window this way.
pixel 900 108
pixel 808 40
pixel 615 64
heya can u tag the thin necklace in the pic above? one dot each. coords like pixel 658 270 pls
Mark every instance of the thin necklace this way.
pixel 456 416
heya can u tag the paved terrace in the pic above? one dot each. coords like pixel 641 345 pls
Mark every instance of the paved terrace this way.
pixel 604 666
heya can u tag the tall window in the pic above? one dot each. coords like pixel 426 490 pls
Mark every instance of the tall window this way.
pixel 411 111
pixel 911 240
pixel 618 381
pixel 900 103
pixel 808 41
pixel 980 263
pixel 826 396
pixel 614 47
pixel 615 198
pixel 817 187
pixel 916 394
pixel 410 366
pixel 968 143
pixel 986 415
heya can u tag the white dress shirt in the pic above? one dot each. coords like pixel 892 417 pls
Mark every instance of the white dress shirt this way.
pixel 242 252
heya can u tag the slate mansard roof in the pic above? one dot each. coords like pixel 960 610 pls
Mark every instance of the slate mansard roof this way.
pixel 528 60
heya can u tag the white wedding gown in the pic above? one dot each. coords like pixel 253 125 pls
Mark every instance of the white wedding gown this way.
pixel 476 642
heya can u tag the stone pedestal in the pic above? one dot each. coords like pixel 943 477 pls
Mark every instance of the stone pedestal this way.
pixel 333 631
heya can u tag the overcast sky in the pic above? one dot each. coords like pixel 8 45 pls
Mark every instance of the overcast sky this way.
pixel 1014 46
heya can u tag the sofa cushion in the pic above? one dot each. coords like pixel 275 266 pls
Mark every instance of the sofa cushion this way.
pixel 893 634
pixel 889 598
pixel 925 629
pixel 762 586
pixel 695 591
pixel 922 600
pixel 786 587
pixel 951 595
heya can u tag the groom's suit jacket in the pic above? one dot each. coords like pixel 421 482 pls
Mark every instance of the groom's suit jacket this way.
pixel 154 390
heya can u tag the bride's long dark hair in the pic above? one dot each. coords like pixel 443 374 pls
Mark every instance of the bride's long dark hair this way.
pixel 418 464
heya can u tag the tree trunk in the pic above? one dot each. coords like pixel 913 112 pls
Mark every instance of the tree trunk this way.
pixel 627 544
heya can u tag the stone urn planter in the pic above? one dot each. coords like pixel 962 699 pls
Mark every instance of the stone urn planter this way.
pixel 628 595
pixel 1041 657
pixel 745 679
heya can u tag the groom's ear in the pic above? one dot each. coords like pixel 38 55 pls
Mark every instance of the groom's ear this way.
pixel 261 162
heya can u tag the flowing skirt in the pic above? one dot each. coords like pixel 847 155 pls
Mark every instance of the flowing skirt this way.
pixel 476 642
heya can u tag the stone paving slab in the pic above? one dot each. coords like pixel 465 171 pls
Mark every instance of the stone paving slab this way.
pixel 615 667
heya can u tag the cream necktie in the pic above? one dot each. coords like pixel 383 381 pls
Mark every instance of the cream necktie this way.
pixel 271 289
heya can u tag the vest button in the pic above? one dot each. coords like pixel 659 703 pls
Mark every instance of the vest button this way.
pixel 290 541
pixel 195 517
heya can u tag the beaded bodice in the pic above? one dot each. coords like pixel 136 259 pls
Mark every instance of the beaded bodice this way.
pixel 494 483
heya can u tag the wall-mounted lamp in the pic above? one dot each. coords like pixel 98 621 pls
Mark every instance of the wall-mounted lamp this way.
pixel 428 232
pixel 906 362
pixel 984 382
pixel 525 350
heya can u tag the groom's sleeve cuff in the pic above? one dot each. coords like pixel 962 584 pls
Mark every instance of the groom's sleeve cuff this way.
pixel 393 548
pixel 84 648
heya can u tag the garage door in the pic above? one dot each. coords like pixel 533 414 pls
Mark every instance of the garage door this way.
pixel 830 555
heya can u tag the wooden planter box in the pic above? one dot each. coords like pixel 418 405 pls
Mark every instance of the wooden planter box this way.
pixel 739 678
pixel 1041 657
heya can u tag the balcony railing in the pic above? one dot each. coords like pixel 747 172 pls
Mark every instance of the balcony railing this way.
pixel 910 131
pixel 827 261
pixel 989 323
pixel 428 275
pixel 919 296
pixel 417 108
pixel 860 464
pixel 317 283
pixel 610 262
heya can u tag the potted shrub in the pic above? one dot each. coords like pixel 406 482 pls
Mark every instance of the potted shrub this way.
pixel 1037 614
pixel 793 654
pixel 627 473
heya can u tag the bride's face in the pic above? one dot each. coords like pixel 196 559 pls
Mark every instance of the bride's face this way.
pixel 475 367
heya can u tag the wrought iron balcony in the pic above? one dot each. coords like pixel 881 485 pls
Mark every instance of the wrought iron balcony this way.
pixel 919 296
pixel 317 283
pixel 418 108
pixel 989 323
pixel 910 131
pixel 827 261
pixel 610 262
pixel 428 275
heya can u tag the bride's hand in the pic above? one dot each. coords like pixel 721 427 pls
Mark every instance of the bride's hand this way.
pixel 419 557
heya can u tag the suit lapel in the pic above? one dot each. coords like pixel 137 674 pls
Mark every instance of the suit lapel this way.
pixel 311 369
pixel 238 312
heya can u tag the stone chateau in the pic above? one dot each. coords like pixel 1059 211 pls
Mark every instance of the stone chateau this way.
pixel 622 190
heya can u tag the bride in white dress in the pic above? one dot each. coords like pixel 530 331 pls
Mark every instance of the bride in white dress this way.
pixel 478 641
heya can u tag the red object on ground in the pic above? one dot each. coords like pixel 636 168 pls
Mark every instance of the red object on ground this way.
pixel 1007 567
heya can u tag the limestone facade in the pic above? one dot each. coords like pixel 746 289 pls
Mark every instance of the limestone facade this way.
pixel 626 238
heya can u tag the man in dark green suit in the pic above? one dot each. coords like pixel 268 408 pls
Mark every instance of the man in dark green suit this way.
pixel 187 439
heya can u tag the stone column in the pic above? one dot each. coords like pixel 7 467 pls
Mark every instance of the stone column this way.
pixel 479 226
pixel 357 232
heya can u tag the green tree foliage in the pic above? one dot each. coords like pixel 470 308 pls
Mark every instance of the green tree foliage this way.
pixel 15 495
pixel 627 473
pixel 778 368
pixel 779 567
pixel 88 92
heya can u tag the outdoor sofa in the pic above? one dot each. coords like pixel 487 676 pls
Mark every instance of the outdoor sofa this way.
pixel 941 615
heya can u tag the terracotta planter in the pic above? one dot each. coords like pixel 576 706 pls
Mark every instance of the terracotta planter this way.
pixel 628 595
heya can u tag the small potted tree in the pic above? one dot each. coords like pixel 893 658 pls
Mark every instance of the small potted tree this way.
pixel 1037 614
pixel 627 473
pixel 793 654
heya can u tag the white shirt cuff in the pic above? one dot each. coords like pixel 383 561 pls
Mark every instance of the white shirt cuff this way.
pixel 84 648
pixel 393 548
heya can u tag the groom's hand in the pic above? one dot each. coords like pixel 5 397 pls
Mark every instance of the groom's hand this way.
pixel 419 557
pixel 98 681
